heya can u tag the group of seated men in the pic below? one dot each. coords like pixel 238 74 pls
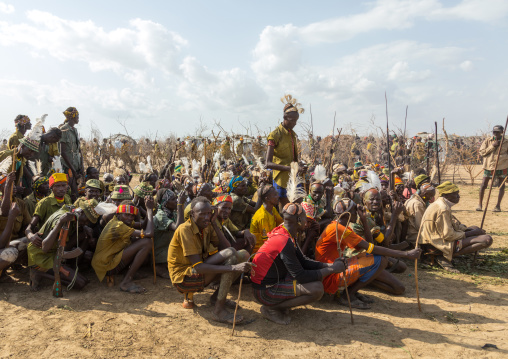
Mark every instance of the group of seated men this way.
pixel 343 232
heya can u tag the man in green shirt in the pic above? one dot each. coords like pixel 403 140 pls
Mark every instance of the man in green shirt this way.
pixel 282 147
pixel 70 148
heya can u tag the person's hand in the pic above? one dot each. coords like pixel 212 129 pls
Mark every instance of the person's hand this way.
pixel 11 177
pixel 15 210
pixel 360 210
pixel 249 237
pixel 339 265
pixel 397 208
pixel 36 239
pixel 149 202
pixel 244 267
pixel 66 217
pixel 215 213
pixel 182 197
pixel 496 143
pixel 413 253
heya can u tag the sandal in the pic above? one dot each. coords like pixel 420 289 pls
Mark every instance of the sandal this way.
pixel 446 265
pixel 188 304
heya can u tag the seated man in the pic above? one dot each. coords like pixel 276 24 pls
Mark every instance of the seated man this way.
pixel 236 238
pixel 141 191
pixel 415 208
pixel 282 277
pixel 92 191
pixel 192 267
pixel 58 184
pixel 444 232
pixel 243 208
pixel 266 217
pixel 362 269
pixel 121 246
pixel 42 251
pixel 381 233
pixel 40 190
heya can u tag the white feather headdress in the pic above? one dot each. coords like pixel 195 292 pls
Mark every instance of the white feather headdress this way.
pixel 319 173
pixel 373 182
pixel 6 165
pixel 295 189
pixel 57 164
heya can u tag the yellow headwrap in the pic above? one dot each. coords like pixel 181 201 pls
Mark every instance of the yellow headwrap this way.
pixel 447 188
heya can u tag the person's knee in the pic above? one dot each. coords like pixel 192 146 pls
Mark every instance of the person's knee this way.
pixel 228 252
pixel 384 262
pixel 242 255
pixel 146 243
pixel 317 290
pixel 9 254
pixel 487 241
pixel 398 288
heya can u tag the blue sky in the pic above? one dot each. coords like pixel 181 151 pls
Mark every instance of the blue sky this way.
pixel 160 66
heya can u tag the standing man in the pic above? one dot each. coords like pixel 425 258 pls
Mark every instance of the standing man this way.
pixel 22 124
pixel 71 150
pixel 282 147
pixel 488 151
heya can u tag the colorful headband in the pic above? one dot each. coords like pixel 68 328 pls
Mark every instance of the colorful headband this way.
pixel 39 182
pixel 398 181
pixel 143 189
pixel 291 104
pixel 292 209
pixel 128 209
pixel 235 181
pixel 196 188
pixel 57 177
pixel 22 121
pixel 178 168
pixel 71 112
pixel 223 198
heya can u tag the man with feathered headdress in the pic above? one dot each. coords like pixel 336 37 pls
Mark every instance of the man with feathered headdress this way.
pixel 22 124
pixel 282 146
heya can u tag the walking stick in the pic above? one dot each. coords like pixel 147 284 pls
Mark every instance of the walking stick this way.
pixel 416 270
pixel 13 169
pixel 237 304
pixel 340 255
pixel 437 157
pixel 388 137
pixel 153 262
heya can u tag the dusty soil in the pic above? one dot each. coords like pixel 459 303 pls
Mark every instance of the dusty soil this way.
pixel 461 313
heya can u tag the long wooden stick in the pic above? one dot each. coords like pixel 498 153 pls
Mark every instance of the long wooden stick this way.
pixel 388 137
pixel 493 175
pixel 237 304
pixel 153 262
pixel 13 169
pixel 340 255
pixel 437 156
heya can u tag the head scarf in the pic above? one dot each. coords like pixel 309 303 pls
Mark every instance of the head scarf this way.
pixel 235 181
pixel 358 165
pixel 447 188
pixel 163 183
pixel 39 182
pixel 57 177
pixel 178 169
pixel 398 181
pixel 224 198
pixel 126 208
pixel 166 196
pixel 71 112
pixel 22 121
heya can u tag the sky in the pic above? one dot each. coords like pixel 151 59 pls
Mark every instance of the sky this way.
pixel 162 67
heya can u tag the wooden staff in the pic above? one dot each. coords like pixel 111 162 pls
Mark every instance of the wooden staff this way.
pixel 437 156
pixel 416 269
pixel 388 137
pixel 153 262
pixel 340 255
pixel 13 169
pixel 405 122
pixel 493 176
pixel 237 304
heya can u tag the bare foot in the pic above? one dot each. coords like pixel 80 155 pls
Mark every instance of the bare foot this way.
pixel 274 315
pixel 226 317
pixel 131 287
pixel 231 304
pixel 35 280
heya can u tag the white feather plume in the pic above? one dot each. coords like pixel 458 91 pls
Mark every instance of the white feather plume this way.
pixel 31 165
pixel 195 168
pixel 245 160
pixel 373 182
pixel 38 163
pixel 320 173
pixel 142 167
pixel 104 208
pixel 406 176
pixel 216 156
pixel 260 164
pixel 149 164
pixel 57 164
pixel 295 189
pixel 186 165
pixel 203 161
pixel 6 165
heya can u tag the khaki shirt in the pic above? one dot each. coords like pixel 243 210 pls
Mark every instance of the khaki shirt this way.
pixel 188 241
pixel 49 205
pixel 415 208
pixel 71 139
pixel 284 152
pixel 14 140
pixel 489 154
pixel 30 204
pixel 440 228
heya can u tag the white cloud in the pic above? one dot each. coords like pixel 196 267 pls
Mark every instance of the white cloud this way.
pixel 466 66
pixel 145 44
pixel 6 8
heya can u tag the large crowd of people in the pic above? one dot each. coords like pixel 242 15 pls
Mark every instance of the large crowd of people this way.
pixel 292 230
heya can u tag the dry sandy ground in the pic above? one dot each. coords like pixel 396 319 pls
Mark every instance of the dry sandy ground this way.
pixel 461 313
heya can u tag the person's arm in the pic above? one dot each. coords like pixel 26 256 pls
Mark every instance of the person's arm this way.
pixel 180 215
pixel 49 241
pixel 390 229
pixel 486 150
pixel 273 166
pixel 203 268
pixel 31 232
pixel 6 201
pixel 223 242
pixel 383 251
pixel 5 237
pixel 148 233
pixel 252 209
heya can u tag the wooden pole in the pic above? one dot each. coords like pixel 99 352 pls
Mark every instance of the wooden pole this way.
pixel 13 169
pixel 437 156
pixel 388 137
pixel 237 304
pixel 340 255
pixel 153 262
